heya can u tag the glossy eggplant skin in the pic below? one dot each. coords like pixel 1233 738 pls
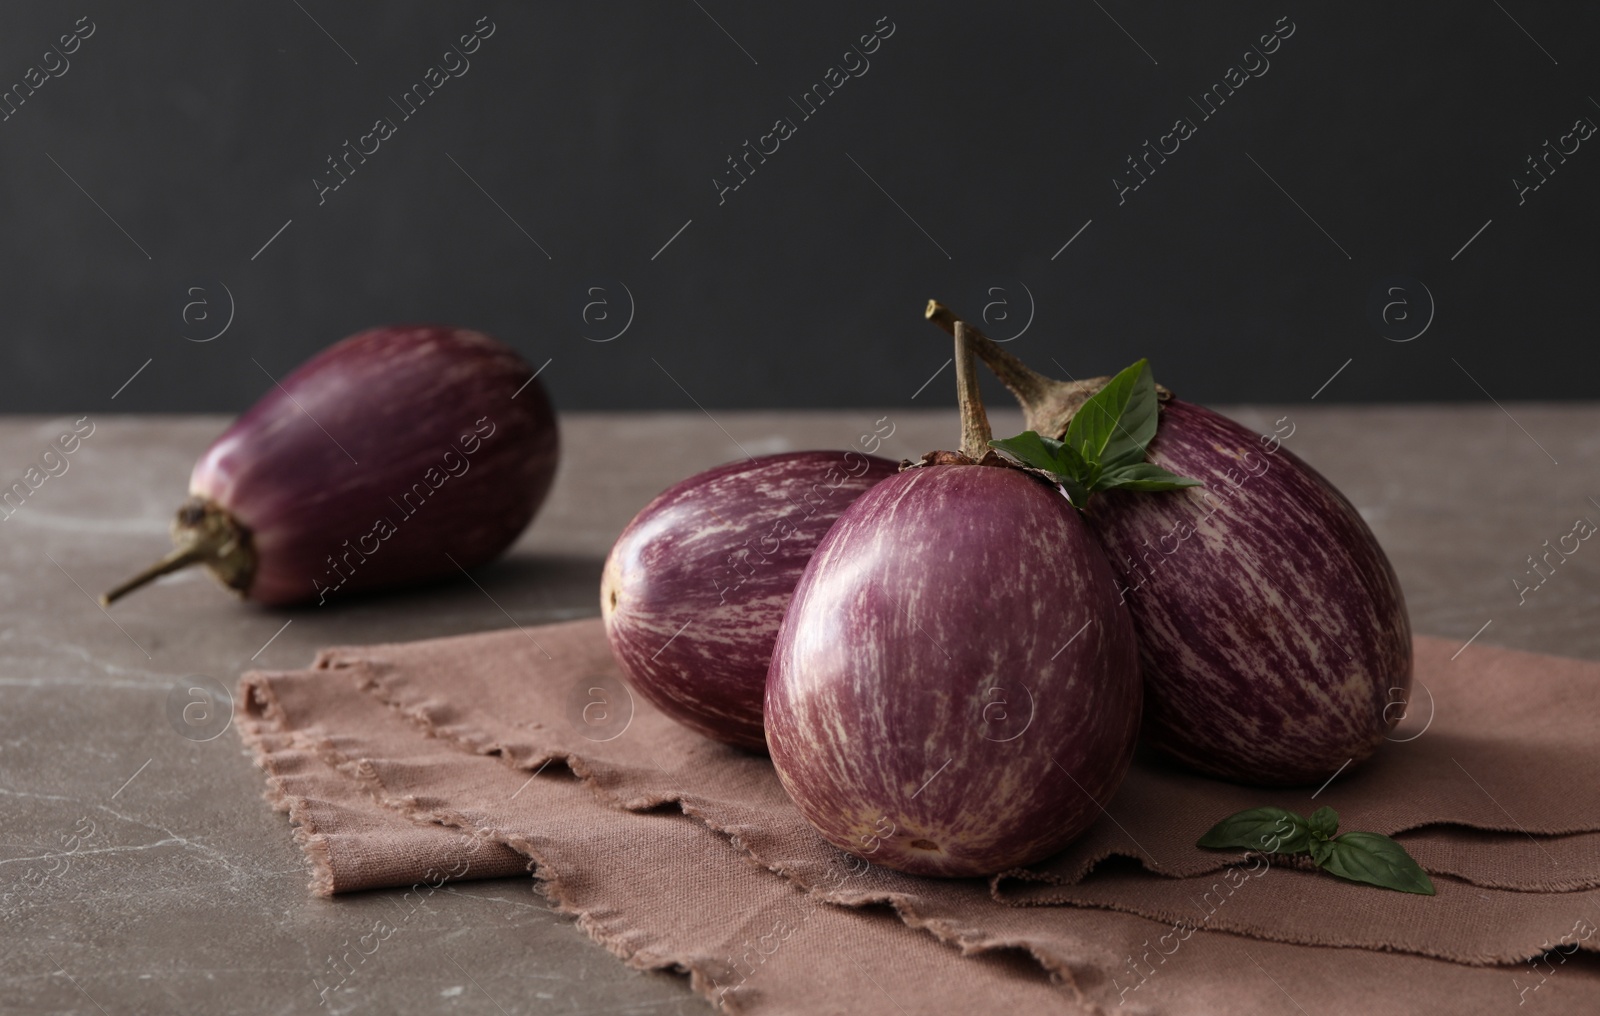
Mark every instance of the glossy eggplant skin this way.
pixel 955 690
pixel 1273 633
pixel 695 587
pixel 397 455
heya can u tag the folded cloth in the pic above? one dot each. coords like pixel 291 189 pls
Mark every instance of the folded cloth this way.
pixel 376 750
pixel 374 804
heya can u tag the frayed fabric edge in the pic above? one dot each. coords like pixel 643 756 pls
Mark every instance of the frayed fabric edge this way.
pixel 260 720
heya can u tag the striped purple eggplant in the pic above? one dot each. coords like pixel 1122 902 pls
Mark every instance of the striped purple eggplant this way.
pixel 696 585
pixel 1272 630
pixel 955 690
pixel 398 455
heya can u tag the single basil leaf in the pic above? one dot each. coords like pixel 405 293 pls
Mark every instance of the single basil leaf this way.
pixel 1287 837
pixel 1376 859
pixel 1325 821
pixel 1096 421
pixel 1142 476
pixel 1137 425
pixel 1268 829
pixel 1030 449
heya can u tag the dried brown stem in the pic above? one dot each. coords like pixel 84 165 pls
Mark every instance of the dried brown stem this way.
pixel 975 432
pixel 203 533
pixel 1048 405
pixel 1028 385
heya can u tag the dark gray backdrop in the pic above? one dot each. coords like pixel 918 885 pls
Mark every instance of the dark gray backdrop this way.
pixel 163 185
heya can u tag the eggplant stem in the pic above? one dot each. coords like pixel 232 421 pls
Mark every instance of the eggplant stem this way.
pixel 1047 405
pixel 975 432
pixel 178 560
pixel 1028 385
pixel 204 533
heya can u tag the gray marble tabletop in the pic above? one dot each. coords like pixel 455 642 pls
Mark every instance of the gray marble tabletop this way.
pixel 189 896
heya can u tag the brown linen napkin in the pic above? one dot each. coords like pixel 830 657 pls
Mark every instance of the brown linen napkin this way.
pixel 499 695
pixel 369 797
pixel 737 793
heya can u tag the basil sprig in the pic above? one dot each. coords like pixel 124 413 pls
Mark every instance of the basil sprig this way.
pixel 1104 446
pixel 1359 857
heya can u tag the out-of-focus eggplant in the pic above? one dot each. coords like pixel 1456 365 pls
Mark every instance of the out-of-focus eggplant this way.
pixel 398 455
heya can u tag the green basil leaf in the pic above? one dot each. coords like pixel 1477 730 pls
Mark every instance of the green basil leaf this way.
pixel 1061 461
pixel 1287 837
pixel 1321 849
pixel 1030 449
pixel 1137 426
pixel 1142 476
pixel 1097 420
pixel 1077 492
pixel 1378 860
pixel 1268 829
pixel 1325 821
pixel 1105 442
pixel 1075 464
